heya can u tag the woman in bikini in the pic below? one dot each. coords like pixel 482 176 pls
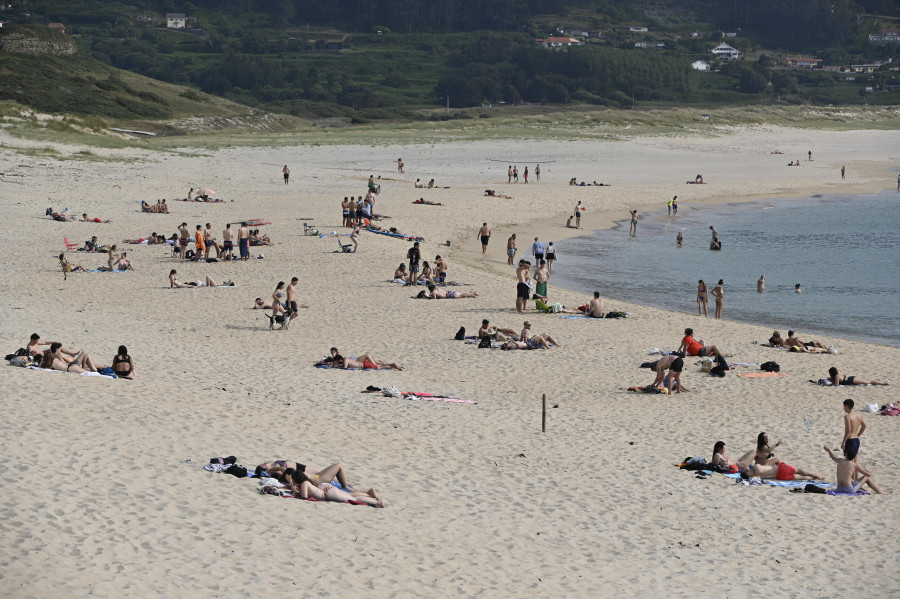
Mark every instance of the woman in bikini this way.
pixel 52 363
pixel 122 364
pixel 324 491
pixel 283 468
pixel 124 263
pixel 718 292
pixel 701 299
pixel 840 379
pixel 427 272
pixel 719 458
pixel 277 308
pixel 174 284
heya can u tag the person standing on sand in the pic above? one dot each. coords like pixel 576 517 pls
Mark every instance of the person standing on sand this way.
pixel 244 241
pixel 287 174
pixel 854 425
pixel 183 238
pixel 809 156
pixel 291 300
pixel 701 299
pixel 718 292
pixel 550 256
pixel 414 255
pixel 669 206
pixel 400 165
pixel 761 284
pixel 511 249
pixel 484 233
pixel 675 206
pixel 537 250
pixel 537 175
pixel 227 242
pixel 509 174
pixel 526 174
pixel 522 289
pixel 440 269
pixel 634 220
pixel 578 215
pixel 199 244
pixel 541 276
pixel 844 175
pixel 515 174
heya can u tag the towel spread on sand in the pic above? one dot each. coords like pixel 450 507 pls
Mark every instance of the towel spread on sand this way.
pixel 759 375
pixel 576 317
pixel 98 270
pixel 792 483
pixel 835 493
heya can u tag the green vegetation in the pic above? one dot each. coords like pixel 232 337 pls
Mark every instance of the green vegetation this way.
pixel 398 60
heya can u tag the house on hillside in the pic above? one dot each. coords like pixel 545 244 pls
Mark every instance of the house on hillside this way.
pixel 700 65
pixel 559 43
pixel 57 27
pixel 637 29
pixel 641 45
pixel 175 20
pixel 726 53
pixel 888 36
pixel 804 63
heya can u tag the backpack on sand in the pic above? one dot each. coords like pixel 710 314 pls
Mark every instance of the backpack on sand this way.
pixel 460 334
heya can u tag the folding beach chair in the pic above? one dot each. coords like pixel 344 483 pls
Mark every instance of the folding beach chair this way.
pixel 310 230
pixel 70 247
pixel 346 249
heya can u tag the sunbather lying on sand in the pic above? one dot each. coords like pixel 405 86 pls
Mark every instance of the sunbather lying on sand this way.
pixel 449 293
pixel 154 239
pixel 840 379
pixel 544 305
pixel 302 485
pixel 84 218
pixel 279 468
pixel 426 202
pixel 58 359
pixel 493 194
pixel 52 363
pixel 209 282
pixel 367 362
pixel 778 470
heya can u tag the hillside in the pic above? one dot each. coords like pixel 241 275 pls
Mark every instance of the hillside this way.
pixel 401 59
pixel 71 83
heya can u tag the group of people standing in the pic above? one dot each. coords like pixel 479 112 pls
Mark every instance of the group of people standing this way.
pixel 718 292
pixel 205 240
pixel 512 174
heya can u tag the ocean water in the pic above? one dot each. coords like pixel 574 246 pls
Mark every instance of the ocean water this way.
pixel 843 250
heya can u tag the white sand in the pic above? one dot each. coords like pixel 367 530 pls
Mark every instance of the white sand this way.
pixel 480 503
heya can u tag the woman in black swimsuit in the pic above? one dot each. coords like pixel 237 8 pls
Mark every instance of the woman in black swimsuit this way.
pixel 840 379
pixel 122 364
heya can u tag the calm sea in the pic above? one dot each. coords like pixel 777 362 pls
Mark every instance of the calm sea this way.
pixel 843 250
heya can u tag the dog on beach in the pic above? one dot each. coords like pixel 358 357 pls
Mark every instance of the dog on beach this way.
pixel 283 319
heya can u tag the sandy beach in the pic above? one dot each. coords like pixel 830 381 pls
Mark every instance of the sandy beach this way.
pixel 105 493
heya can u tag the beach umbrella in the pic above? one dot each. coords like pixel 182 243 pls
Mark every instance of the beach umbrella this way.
pixel 205 191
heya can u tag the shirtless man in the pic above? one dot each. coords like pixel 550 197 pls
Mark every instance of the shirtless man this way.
pixel 495 333
pixel 663 364
pixel 847 472
pixel 209 240
pixel 761 284
pixel 715 234
pixel 84 218
pixel 484 233
pixel 366 361
pixel 291 299
pixel 228 242
pixel 449 294
pixel 595 308
pixel 854 425
pixel 184 237
pixel 287 173
pixel 578 215
pixel 526 335
pixel 511 249
pixel 244 241
pixel 634 220
pixel 345 211
pixel 541 276
pixel 35 342
pixel 163 208
pixel 794 340
pixel 779 471
pixel 522 288
pixel 440 269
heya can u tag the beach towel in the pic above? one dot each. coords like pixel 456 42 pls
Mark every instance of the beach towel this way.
pixel 835 493
pixel 576 317
pixel 791 483
pixel 759 375
pixel 98 270
pixel 405 236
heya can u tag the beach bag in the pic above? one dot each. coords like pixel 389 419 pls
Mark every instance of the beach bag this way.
pixel 189 255
pixel 238 471
pixel 556 308
pixel 485 342
pixel 770 367
pixel 18 362
pixel 719 371
pixel 706 365
pixel 460 334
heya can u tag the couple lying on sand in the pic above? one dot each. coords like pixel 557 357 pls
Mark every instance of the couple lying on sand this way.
pixel 526 339
pixel 794 343
pixel 317 484
pixel 209 282
pixel 160 208
pixel 363 362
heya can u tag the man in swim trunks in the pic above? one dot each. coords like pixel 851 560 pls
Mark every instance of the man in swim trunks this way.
pixel 510 249
pixel 287 173
pixel 367 362
pixel 848 471
pixel 660 367
pixel 244 241
pixel 495 333
pixel 414 255
pixel 854 425
pixel 522 289
pixel 291 299
pixel 227 242
pixel 537 250
pixel 485 234
pixel 634 220
pixel 779 471
pixel 183 238
pixel 595 308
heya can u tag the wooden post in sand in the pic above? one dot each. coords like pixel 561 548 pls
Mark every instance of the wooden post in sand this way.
pixel 544 413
